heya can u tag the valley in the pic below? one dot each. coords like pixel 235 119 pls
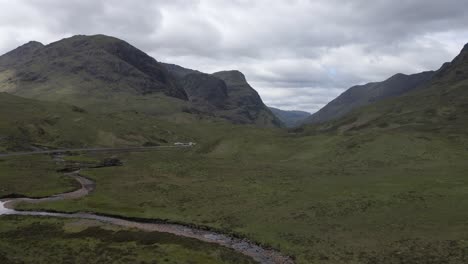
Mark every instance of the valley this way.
pixel 377 176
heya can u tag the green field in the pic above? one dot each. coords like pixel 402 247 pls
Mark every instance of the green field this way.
pixel 32 176
pixel 26 123
pixel 48 240
pixel 392 197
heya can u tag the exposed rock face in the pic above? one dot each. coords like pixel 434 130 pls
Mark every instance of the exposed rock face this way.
pixel 20 54
pixel 205 89
pixel 454 71
pixel 245 101
pixel 178 71
pixel 225 94
pixel 239 90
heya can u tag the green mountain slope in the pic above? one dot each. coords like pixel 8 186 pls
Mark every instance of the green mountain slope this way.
pixel 26 124
pixel 439 106
pixel 362 95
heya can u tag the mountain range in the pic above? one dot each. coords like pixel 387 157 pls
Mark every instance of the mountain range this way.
pixel 110 83
pixel 438 103
pixel 107 74
pixel 362 95
pixel 395 86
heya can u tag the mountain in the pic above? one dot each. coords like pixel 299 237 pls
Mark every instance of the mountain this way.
pixel 81 66
pixel 226 94
pixel 362 95
pixel 290 118
pixel 244 101
pixel 106 74
pixel 439 106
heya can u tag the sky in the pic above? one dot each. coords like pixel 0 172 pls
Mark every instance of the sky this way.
pixel 298 54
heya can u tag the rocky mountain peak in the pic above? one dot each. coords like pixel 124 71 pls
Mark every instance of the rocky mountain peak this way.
pixel 465 48
pixel 232 77
pixel 33 45
pixel 88 64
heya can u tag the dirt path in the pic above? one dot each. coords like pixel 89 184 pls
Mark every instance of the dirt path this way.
pixel 258 253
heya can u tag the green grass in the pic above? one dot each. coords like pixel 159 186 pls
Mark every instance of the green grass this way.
pixel 48 240
pixel 33 176
pixel 25 123
pixel 372 198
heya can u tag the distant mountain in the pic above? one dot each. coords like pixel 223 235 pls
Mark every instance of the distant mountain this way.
pixel 107 74
pixel 362 95
pixel 290 118
pixel 226 94
pixel 440 105
pixel 244 101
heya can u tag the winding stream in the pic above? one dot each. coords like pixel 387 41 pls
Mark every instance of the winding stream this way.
pixel 248 248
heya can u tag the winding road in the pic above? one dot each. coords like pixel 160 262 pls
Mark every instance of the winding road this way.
pixel 243 246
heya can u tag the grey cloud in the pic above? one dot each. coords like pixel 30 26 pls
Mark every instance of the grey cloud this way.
pixel 308 50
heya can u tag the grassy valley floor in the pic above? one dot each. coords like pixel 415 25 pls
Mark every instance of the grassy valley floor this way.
pixel 393 197
pixel 33 176
pixel 49 240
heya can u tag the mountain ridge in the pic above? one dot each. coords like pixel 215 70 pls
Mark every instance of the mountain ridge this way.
pixel 226 94
pixel 438 106
pixel 101 59
pixel 362 95
pixel 108 74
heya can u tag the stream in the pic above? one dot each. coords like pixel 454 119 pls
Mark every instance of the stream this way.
pixel 243 246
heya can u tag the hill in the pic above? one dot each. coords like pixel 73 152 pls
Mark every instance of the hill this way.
pixel 28 124
pixel 290 118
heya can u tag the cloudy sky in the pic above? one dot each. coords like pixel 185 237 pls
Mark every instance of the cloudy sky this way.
pixel 298 54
